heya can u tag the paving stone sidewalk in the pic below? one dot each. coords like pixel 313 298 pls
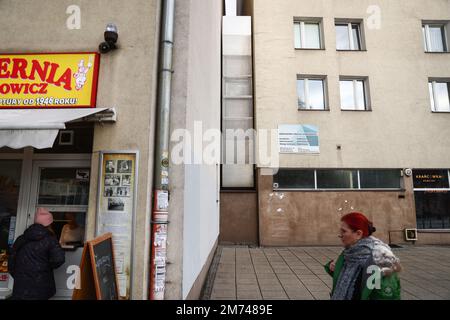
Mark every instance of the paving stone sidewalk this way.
pixel 296 273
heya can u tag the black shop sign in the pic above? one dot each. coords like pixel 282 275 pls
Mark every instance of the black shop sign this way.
pixel 431 179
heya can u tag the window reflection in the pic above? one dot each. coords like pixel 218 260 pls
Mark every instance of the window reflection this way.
pixel 311 94
pixel 316 94
pixel 64 186
pixel 442 96
pixel 353 95
pixel 342 40
pixel 347 99
pixel 337 179
pixel 312 37
pixel 301 94
pixel 356 37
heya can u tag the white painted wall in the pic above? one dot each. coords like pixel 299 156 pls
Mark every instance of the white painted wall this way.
pixel 201 209
pixel 230 7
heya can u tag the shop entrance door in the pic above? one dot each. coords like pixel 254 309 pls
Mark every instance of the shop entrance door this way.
pixel 432 197
pixel 62 187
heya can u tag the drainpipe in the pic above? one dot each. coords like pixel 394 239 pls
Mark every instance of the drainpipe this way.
pixel 160 211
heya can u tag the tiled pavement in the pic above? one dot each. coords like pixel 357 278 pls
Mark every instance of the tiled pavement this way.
pixel 296 273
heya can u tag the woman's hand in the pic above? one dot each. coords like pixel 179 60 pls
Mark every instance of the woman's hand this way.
pixel 332 265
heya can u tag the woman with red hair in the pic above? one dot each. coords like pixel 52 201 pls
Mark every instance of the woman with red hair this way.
pixel 367 268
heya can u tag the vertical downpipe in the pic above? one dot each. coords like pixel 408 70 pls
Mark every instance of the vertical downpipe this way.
pixel 160 212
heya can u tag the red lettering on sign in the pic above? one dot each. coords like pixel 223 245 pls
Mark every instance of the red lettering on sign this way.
pixel 32 90
pixel 66 79
pixel 37 68
pixel 43 88
pixel 51 76
pixel 17 88
pixel 4 88
pixel 45 72
pixel 4 62
pixel 19 66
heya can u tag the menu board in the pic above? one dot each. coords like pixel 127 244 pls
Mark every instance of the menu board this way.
pixel 116 210
pixel 98 279
pixel 104 273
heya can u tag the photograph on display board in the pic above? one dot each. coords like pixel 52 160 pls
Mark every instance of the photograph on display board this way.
pixel 110 166
pixel 126 180
pixel 110 192
pixel 123 191
pixel 116 204
pixel 124 166
pixel 112 180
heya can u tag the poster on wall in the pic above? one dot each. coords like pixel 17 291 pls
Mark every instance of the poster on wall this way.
pixel 55 80
pixel 116 210
pixel 300 139
pixel 159 254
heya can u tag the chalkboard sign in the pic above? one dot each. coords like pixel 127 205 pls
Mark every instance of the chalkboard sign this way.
pixel 98 271
pixel 103 267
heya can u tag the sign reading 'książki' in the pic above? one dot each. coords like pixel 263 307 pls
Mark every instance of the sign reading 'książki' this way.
pixel 58 80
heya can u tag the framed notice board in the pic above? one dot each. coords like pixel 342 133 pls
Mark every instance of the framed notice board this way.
pixel 98 279
pixel 116 210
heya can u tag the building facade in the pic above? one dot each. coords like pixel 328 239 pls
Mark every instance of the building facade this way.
pixel 359 92
pixel 98 170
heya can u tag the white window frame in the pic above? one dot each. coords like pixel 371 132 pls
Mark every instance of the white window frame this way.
pixel 427 39
pixel 355 96
pixel 350 35
pixel 435 100
pixel 301 22
pixel 306 79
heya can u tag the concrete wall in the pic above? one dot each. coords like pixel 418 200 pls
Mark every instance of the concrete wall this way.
pixel 194 210
pixel 238 218
pixel 400 131
pixel 313 218
pixel 201 221
pixel 126 82
pixel 426 238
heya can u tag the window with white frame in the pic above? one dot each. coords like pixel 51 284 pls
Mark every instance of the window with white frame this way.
pixel 439 95
pixel 311 93
pixel 435 37
pixel 349 36
pixel 354 94
pixel 308 34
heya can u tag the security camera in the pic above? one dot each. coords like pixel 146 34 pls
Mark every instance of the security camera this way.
pixel 111 37
pixel 106 47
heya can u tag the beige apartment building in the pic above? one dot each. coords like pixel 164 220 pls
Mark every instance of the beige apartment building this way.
pixel 359 94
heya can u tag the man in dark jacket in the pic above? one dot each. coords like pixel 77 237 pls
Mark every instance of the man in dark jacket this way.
pixel 33 257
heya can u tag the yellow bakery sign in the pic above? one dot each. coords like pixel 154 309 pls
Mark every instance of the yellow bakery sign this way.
pixel 58 80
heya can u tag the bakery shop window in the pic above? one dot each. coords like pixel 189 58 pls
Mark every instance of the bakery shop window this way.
pixel 69 228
